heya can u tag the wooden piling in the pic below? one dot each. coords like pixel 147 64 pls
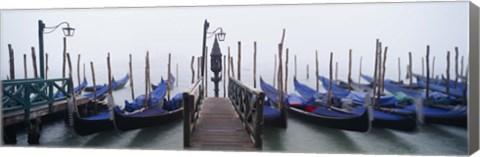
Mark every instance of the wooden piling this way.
pixel 375 69
pixel 384 69
pixel 448 73
pixel 295 60
pixel 427 98
pixel 399 71
pixel 34 62
pixel 147 85
pixel 379 73
pixel 286 71
pixel 225 77
pixel 193 71
pixel 316 70
pixel 109 68
pixel 228 57
pixel 71 84
pixel 206 73
pixel 349 69
pixel 199 59
pixel 423 67
pixel 11 61
pixel 461 64
pixel 275 70
pixel 336 72
pixel 308 71
pixel 176 74
pixel 456 68
pixel 25 74
pixel 232 67
pixel 433 67
pixel 239 60
pixel 329 102
pixel 169 86
pixel 254 64
pixel 130 65
pixel 360 73
pixel 64 56
pixel 465 87
pixel 78 74
pixel 94 85
pixel 280 74
pixel 410 70
pixel 46 66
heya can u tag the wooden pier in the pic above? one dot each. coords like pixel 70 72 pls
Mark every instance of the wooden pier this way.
pixel 219 128
pixel 39 111
pixel 233 123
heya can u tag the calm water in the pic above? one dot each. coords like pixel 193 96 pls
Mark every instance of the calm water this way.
pixel 300 136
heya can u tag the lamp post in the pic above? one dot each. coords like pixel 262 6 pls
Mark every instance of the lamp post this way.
pixel 67 31
pixel 221 37
pixel 216 65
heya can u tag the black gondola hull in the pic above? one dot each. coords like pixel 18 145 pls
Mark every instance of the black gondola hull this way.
pixel 359 124
pixel 125 123
pixel 86 127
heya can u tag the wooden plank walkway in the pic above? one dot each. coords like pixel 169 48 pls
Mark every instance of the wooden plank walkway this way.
pixel 39 111
pixel 219 128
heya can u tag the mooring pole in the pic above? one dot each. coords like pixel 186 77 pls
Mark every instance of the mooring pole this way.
pixel 275 70
pixel 46 66
pixel 336 72
pixel 456 68
pixel 295 60
pixel 423 67
pixel 427 99
pixel 71 84
pixel 131 76
pixel 64 56
pixel 384 69
pixel 168 75
pixel 448 73
pixel 11 61
pixel 25 66
pixel 433 67
pixel 34 62
pixel 239 60
pixel 400 71
pixel 308 71
pixel 232 67
pixel 78 74
pixel 374 85
pixel 330 81
pixel 360 73
pixel 254 64
pixel 349 69
pixel 286 71
pixel 206 72
pixel 225 77
pixel 193 71
pixel 95 85
pixel 316 70
pixel 410 69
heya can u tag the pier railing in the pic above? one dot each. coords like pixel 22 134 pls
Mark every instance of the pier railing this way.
pixel 192 99
pixel 23 94
pixel 248 103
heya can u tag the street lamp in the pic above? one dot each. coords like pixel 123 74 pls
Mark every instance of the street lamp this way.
pixel 67 31
pixel 220 36
pixel 216 64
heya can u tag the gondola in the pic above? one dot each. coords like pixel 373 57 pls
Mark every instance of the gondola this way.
pixel 272 114
pixel 386 116
pixel 433 113
pixel 172 81
pixel 98 122
pixel 115 84
pixel 456 92
pixel 77 89
pixel 329 116
pixel 135 115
